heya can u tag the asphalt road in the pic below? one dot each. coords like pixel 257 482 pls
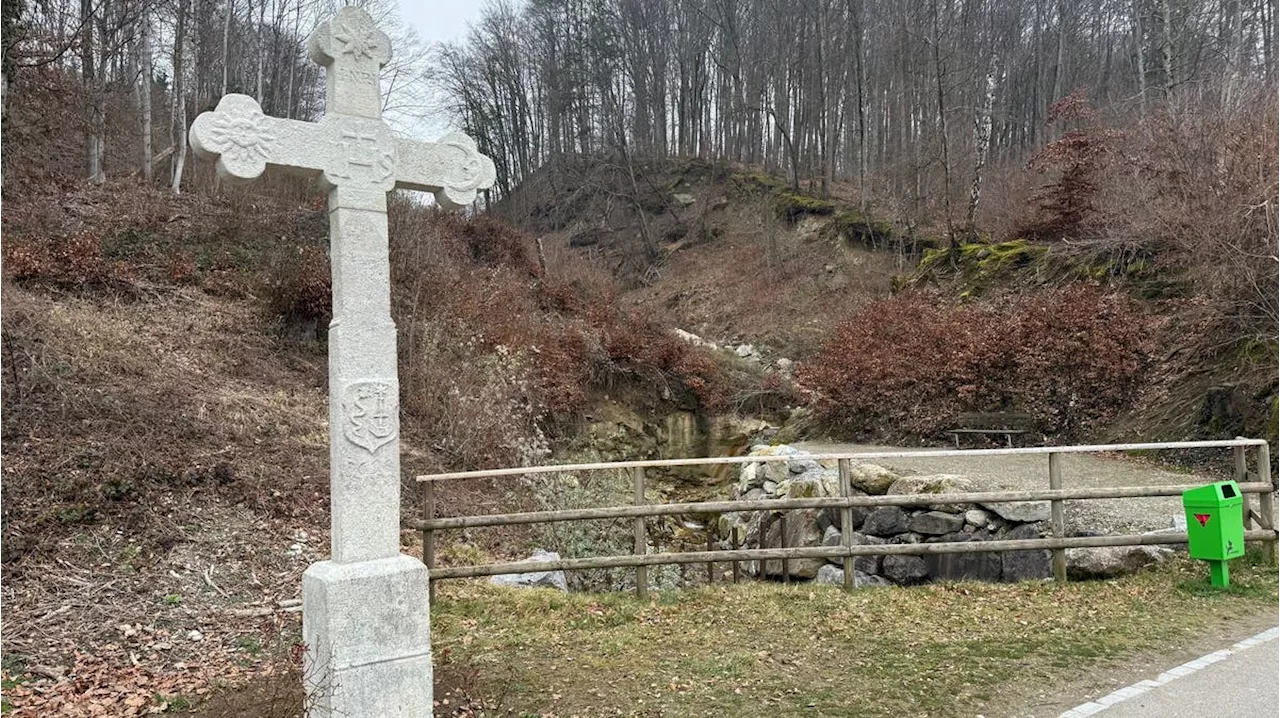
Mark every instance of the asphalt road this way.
pixel 1242 684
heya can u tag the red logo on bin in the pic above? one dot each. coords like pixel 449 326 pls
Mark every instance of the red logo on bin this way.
pixel 1203 519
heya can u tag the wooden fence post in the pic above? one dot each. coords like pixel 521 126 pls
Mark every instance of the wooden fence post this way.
pixel 782 539
pixel 1057 522
pixel 733 542
pixel 1266 501
pixel 1242 476
pixel 642 542
pixel 711 565
pixel 429 536
pixel 846 522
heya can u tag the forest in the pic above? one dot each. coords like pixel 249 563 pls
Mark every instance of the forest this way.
pixel 909 101
pixel 127 77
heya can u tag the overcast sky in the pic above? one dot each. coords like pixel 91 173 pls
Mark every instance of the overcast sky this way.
pixel 437 21
pixel 440 20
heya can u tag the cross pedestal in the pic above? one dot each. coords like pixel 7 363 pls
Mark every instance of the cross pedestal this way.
pixel 365 613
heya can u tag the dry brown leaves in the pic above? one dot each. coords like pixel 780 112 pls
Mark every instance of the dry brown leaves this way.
pixel 112 684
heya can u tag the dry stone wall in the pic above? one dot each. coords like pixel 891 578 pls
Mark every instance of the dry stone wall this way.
pixel 944 522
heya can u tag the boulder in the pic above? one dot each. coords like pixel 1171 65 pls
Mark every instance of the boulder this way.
pixel 934 484
pixel 802 530
pixel 984 566
pixel 833 576
pixel 802 466
pixel 831 517
pixel 866 580
pixel 908 537
pixel 867 564
pixel 871 478
pixel 1112 561
pixel 1021 511
pixel 935 523
pixel 831 536
pixel 885 521
pixel 905 570
pixel 535 579
pixel 830 576
pixel 1026 565
pixel 831 483
pixel 776 471
pixel 750 477
pixel 977 518
pixel 804 486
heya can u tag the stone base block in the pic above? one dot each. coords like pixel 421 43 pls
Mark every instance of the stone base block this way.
pixel 367 627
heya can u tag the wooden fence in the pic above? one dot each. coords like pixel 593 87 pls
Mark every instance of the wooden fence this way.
pixel 1257 482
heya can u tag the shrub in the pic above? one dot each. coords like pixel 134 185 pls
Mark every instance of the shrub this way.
pixel 76 260
pixel 1075 162
pixel 299 288
pixel 1070 357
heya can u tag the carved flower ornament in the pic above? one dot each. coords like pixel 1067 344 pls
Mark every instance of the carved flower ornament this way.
pixel 237 134
pixel 357 35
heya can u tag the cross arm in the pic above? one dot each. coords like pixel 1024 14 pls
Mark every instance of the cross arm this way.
pixel 452 168
pixel 244 141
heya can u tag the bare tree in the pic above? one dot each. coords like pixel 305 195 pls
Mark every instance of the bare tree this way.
pixel 179 93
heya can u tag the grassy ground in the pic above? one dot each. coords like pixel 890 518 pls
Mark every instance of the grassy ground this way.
pixel 940 650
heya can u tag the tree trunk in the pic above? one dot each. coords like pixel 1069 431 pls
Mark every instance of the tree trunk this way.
pixel 144 95
pixel 257 34
pixel 297 21
pixel 4 124
pixel 180 96
pixel 1140 42
pixel 9 13
pixel 1166 47
pixel 856 14
pixel 1056 94
pixel 226 41
pixel 981 144
pixel 88 65
pixel 942 125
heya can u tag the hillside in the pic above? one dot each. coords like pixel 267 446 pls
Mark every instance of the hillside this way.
pixel 720 250
pixel 164 425
pixel 164 455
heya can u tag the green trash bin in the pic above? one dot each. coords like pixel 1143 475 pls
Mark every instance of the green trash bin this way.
pixel 1215 526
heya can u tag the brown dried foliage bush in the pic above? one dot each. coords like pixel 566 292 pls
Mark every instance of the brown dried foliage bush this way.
pixel 1070 357
pixel 72 261
pixel 299 288
pixel 497 354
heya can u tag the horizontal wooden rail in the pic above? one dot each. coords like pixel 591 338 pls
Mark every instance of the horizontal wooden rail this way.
pixel 720 507
pixel 707 461
pixel 824 552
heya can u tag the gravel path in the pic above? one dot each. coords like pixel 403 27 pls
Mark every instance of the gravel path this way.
pixel 1032 472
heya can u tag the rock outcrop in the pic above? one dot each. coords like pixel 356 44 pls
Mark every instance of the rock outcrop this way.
pixel 535 579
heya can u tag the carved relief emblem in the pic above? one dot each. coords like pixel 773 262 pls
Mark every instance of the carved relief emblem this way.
pixel 363 154
pixel 352 35
pixel 365 470
pixel 370 414
pixel 237 134
pixel 465 170
pixel 356 36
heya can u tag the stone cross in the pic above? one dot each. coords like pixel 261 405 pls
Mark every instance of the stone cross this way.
pixel 365 612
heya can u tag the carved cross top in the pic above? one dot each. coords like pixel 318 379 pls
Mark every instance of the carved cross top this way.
pixel 350 147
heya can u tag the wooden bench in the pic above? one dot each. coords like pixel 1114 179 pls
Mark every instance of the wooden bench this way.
pixel 1009 424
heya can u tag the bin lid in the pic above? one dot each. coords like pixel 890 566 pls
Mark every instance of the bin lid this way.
pixel 1212 494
